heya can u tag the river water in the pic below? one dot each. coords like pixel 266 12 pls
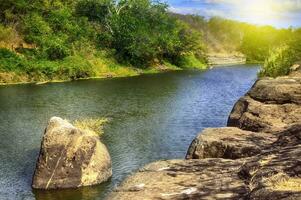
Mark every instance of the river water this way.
pixel 152 117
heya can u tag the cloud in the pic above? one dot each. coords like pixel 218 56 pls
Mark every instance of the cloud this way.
pixel 275 5
pixel 281 13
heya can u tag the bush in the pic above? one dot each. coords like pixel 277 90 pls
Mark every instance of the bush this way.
pixel 7 34
pixel 75 67
pixel 190 61
pixel 279 62
pixel 10 61
pixel 57 51
pixel 95 10
pixel 36 28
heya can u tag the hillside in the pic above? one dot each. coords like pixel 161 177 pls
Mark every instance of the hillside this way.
pixel 69 40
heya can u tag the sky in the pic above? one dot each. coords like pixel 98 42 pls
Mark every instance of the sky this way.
pixel 278 13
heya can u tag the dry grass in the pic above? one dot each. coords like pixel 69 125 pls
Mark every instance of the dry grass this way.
pixel 290 184
pixel 91 125
pixel 282 182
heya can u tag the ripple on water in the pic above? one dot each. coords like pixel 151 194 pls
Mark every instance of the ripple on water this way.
pixel 152 117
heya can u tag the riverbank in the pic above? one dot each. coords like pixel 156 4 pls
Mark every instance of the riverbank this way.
pixel 256 157
pixel 12 78
pixel 226 59
pixel 111 69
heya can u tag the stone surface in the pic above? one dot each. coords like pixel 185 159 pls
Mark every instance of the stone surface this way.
pixel 275 174
pixel 70 158
pixel 229 143
pixel 270 106
pixel 220 59
pixel 184 179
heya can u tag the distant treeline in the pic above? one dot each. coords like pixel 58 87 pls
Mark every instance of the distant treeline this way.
pixel 278 49
pixel 223 35
pixel 70 39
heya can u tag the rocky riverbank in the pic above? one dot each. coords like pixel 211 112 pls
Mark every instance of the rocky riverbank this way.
pixel 225 59
pixel 257 157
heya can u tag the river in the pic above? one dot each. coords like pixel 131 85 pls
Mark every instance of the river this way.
pixel 152 117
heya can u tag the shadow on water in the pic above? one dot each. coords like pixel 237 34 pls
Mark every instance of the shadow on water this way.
pixel 152 117
pixel 84 193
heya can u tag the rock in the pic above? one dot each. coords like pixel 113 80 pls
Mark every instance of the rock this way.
pixel 270 106
pixel 282 90
pixel 277 172
pixel 184 179
pixel 273 174
pixel 221 59
pixel 70 158
pixel 228 143
pixel 260 162
pixel 295 70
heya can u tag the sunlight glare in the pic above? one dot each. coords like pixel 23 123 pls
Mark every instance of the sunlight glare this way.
pixel 259 11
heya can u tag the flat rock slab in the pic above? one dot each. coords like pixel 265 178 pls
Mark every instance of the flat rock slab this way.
pixel 281 90
pixel 184 179
pixel 228 143
pixel 70 158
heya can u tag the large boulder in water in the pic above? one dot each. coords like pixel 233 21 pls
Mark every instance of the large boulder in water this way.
pixel 70 158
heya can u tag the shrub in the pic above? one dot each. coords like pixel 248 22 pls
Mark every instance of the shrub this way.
pixel 6 34
pixel 190 61
pixel 279 62
pixel 10 61
pixel 75 67
pixel 36 28
pixel 57 51
pixel 94 10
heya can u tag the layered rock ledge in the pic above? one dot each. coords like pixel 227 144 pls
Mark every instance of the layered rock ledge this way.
pixel 270 106
pixel 70 158
pixel 258 157
pixel 228 143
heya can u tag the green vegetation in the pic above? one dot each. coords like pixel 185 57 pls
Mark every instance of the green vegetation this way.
pixel 68 40
pixel 231 37
pixel 276 49
pixel 47 40
pixel 281 59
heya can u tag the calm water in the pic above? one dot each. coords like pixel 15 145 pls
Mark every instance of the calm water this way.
pixel 152 117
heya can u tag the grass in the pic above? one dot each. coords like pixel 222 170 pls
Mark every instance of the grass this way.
pixel 190 61
pixel 91 125
pixel 290 184
pixel 15 69
pixel 279 62
pixel 282 182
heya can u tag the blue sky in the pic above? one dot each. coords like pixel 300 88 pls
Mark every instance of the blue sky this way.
pixel 279 13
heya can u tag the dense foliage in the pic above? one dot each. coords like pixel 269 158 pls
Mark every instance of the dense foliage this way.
pixel 281 59
pixel 71 39
pixel 51 33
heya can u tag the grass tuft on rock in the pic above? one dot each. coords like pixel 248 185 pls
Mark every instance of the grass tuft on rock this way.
pixel 91 125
